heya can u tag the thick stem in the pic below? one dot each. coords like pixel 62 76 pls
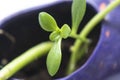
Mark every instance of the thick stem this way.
pixel 78 43
pixel 24 59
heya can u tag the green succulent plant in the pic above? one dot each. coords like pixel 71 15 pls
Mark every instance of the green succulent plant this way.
pixel 53 47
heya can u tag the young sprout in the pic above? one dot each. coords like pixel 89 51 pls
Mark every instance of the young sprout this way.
pixel 48 23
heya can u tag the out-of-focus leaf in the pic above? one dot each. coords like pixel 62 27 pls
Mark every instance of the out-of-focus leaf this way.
pixel 78 11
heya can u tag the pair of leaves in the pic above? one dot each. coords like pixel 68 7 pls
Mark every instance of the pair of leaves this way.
pixel 64 32
pixel 49 24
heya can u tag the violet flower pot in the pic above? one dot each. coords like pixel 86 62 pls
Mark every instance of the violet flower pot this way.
pixel 102 64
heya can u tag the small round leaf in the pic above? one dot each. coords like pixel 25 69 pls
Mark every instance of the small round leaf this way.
pixel 55 35
pixel 54 58
pixel 65 31
pixel 47 22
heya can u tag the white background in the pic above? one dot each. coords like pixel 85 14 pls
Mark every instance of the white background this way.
pixel 9 7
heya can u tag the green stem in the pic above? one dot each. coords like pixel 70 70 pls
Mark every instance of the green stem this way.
pixel 24 59
pixel 78 43
pixel 97 18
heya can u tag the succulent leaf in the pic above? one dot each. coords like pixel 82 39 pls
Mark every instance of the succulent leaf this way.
pixel 65 31
pixel 78 11
pixel 54 58
pixel 54 36
pixel 47 22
